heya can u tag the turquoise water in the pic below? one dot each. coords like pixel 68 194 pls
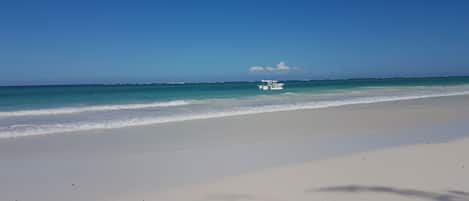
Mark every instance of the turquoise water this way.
pixel 35 110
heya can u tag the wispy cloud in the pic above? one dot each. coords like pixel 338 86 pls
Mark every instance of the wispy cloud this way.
pixel 256 68
pixel 280 67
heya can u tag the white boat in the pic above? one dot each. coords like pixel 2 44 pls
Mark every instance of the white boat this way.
pixel 270 85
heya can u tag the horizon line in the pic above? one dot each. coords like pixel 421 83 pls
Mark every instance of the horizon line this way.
pixel 230 81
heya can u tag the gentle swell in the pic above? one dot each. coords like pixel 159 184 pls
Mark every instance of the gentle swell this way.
pixel 97 108
pixel 59 128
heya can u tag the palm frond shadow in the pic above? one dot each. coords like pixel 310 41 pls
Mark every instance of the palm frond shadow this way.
pixel 451 195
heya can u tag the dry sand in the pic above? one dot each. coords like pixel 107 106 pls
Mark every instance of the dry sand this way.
pixel 433 172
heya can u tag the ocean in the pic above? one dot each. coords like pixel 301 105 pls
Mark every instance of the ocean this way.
pixel 39 110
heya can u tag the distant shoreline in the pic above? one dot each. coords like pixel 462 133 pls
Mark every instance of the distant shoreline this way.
pixel 233 81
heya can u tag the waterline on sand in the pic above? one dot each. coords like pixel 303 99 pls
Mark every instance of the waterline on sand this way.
pixel 31 130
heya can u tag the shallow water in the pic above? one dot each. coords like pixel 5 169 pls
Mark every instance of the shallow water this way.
pixel 37 110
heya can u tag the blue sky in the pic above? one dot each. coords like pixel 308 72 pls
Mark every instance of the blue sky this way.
pixel 55 42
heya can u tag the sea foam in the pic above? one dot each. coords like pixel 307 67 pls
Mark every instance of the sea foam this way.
pixel 95 108
pixel 29 130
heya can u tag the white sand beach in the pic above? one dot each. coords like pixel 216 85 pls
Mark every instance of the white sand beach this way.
pixel 434 172
pixel 402 150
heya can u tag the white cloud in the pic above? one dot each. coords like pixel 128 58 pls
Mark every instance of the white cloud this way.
pixel 256 68
pixel 280 67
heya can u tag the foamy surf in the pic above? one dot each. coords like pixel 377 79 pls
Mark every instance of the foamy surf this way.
pixel 96 108
pixel 31 130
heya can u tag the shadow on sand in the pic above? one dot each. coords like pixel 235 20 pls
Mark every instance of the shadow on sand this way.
pixel 432 196
pixel 236 197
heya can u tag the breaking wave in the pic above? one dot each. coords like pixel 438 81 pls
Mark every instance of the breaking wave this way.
pixel 95 108
pixel 29 130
